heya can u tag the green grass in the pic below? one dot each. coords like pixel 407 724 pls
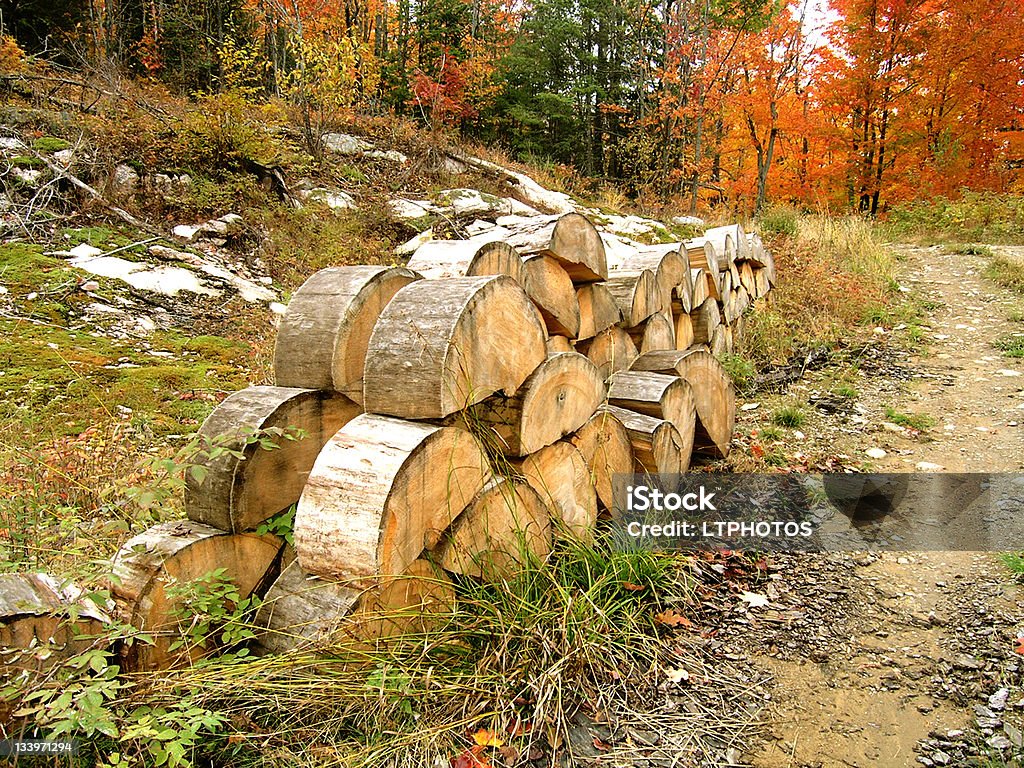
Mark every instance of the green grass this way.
pixel 779 220
pixel 921 422
pixel 1011 345
pixel 1015 562
pixel 972 249
pixel 789 416
pixel 846 392
pixel 772 433
pixel 741 369
pixel 1007 273
pixel 977 216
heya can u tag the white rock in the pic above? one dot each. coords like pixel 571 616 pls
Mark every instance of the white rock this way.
pixel 85 251
pixel 875 453
pixel 410 210
pixel 125 181
pixel 1008 372
pixel 65 158
pixel 798 434
pixel 750 406
pixel 277 307
pixel 409 248
pixel 3 290
pixel 688 221
pixel 90 285
pixel 879 330
pixel 345 144
pixel 393 155
pixel 927 466
pixel 27 175
pixel 265 279
pixel 185 231
pixel 32 296
pixel 166 280
pixel 332 198
pixel 10 143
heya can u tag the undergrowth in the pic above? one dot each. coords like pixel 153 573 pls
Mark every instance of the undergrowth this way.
pixel 975 216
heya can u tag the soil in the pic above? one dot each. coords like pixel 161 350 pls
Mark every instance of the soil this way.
pixel 903 659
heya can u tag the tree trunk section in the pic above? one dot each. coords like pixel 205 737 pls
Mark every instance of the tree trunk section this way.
pixel 598 310
pixel 611 350
pixel 322 340
pixel 551 289
pixel 658 448
pixel 561 477
pixel 382 491
pixel 237 494
pixel 435 347
pixel 570 239
pixel 440 259
pixel 636 296
pixel 705 319
pixel 604 444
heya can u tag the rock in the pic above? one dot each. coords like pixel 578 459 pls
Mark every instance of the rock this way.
pixel 392 155
pixel 332 198
pixel 185 231
pixel 3 290
pixel 1014 735
pixel 1008 372
pixel 875 453
pixel 940 758
pixel 453 166
pixel 409 248
pixel 997 701
pixel 10 144
pixel 28 176
pixel 927 466
pixel 410 210
pixel 965 661
pixel 998 741
pixel 277 307
pixel 688 221
pixel 89 286
pixel 750 406
pixel 84 251
pixel 125 181
pixel 65 158
pixel 345 144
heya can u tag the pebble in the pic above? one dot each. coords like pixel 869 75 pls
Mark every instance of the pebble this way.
pixel 750 406
pixel 997 700
pixel 927 466
pixel 875 453
pixel 90 285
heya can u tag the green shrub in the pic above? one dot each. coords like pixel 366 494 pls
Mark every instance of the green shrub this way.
pixel 779 220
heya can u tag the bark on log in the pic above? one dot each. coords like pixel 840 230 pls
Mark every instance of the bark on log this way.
pixel 730 241
pixel 756 251
pixel 237 494
pixel 604 444
pixel 42 622
pixel 570 239
pixel 441 345
pixel 382 491
pixel 669 264
pixel 611 350
pixel 551 289
pixel 322 340
pixel 636 296
pixel 561 477
pixel 705 319
pixel 657 445
pixel 713 392
pixel 557 398
pixel 669 398
pixel 721 341
pixel 598 309
pixel 439 259
pixel 180 552
pixel 504 527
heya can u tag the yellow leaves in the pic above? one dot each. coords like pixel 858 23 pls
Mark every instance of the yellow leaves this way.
pixel 486 738
pixel 11 55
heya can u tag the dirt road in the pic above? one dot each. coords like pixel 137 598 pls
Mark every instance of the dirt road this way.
pixel 909 659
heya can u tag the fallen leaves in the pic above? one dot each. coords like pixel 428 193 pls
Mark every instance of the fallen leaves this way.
pixel 1020 645
pixel 671 618
pixel 486 738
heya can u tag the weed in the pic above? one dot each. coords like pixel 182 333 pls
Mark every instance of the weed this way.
pixel 779 220
pixel 921 422
pixel 980 216
pixel 789 416
pixel 1011 345
pixel 773 434
pixel 846 391
pixel 739 368
pixel 972 249
pixel 1016 316
pixel 1015 562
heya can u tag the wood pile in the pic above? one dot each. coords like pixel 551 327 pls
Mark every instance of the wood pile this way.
pixel 451 419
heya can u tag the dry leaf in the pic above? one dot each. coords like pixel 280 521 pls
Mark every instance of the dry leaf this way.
pixel 485 738
pixel 1020 645
pixel 672 619
pixel 631 587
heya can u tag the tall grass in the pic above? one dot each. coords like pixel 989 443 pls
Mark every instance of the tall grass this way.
pixel 835 274
pixel 975 216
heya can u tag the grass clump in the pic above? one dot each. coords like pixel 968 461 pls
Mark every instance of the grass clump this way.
pixel 979 216
pixel 973 249
pixel 739 368
pixel 846 392
pixel 1007 273
pixel 1011 345
pixel 1015 562
pixel 779 220
pixel 789 416
pixel 921 422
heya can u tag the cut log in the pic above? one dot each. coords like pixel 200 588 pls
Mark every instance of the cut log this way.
pixel 683 293
pixel 669 264
pixel 761 284
pixel 636 296
pixel 702 254
pixel 729 241
pixel 237 493
pixel 551 289
pixel 713 392
pixel 321 343
pixel 561 477
pixel 705 319
pixel 438 259
pixel 598 309
pixel 382 491
pixel 611 350
pixel 747 280
pixel 739 330
pixel 713 284
pixel 756 252
pixel 656 394
pixel 684 331
pixel 435 348
pixel 558 398
pixel 604 444
pixel 570 239
pixel 556 344
pixel 42 623
pixel 721 341
pixel 179 553
pixel 657 332
pixel 657 445
pixel 700 288
pixel 305 612
pixel 505 526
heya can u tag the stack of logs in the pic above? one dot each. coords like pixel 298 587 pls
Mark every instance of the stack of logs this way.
pixel 453 416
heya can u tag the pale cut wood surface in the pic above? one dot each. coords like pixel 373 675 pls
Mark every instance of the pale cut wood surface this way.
pixel 657 445
pixel 505 526
pixel 669 264
pixel 611 350
pixel 571 239
pixel 322 339
pixel 557 398
pixel 713 391
pixel 656 394
pixel 598 309
pixel 657 332
pixel 382 491
pixel 551 289
pixel 237 494
pixel 702 253
pixel 704 320
pixel 636 296
pixel 434 351
pixel 556 344
pixel 604 444
pixel 699 289
pixel 561 477
pixel 684 331
pixel 175 553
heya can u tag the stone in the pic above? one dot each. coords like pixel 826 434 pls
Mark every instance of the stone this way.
pixel 185 231
pixel 875 453
pixel 125 181
pixel 345 144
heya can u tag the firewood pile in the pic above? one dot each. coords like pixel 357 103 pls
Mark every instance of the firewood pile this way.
pixel 444 419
